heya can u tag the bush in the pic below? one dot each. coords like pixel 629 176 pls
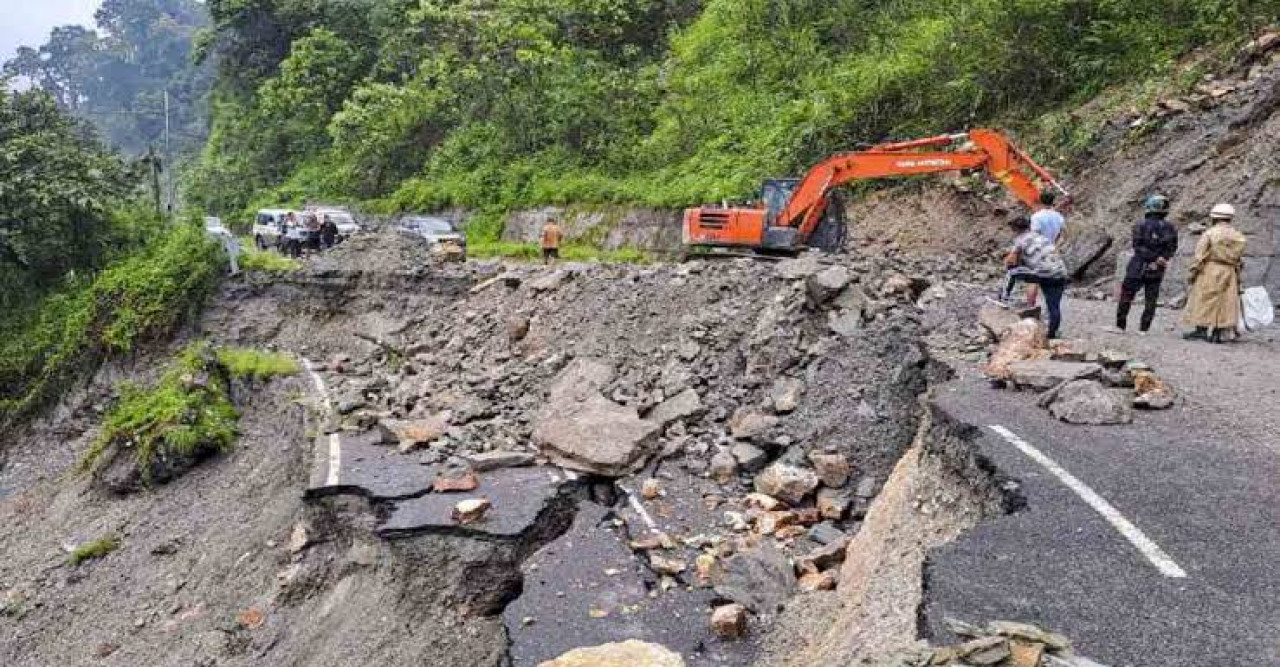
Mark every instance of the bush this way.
pixel 139 298
pixel 268 261
pixel 187 415
pixel 94 550
pixel 250 364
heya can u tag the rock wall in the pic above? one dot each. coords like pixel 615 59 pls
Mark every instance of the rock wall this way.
pixel 609 227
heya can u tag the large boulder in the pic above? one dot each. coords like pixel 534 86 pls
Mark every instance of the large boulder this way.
pixel 1082 250
pixel 631 653
pixel 682 405
pixel 825 285
pixel 1088 402
pixel 582 430
pixel 787 482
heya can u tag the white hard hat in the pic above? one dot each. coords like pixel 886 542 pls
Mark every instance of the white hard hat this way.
pixel 1223 211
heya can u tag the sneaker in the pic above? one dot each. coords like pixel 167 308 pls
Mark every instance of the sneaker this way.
pixel 1142 333
pixel 1114 330
pixel 1195 335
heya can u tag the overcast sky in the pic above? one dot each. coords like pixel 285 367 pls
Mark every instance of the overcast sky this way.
pixel 28 22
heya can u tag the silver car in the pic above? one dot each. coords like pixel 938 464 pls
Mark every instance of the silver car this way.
pixel 434 229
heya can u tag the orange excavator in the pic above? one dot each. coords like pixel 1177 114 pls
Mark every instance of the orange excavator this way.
pixel 795 213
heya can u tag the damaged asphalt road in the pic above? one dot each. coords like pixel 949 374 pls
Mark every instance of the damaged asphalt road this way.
pixel 1198 480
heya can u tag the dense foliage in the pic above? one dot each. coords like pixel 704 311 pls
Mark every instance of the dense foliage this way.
pixel 115 76
pixel 491 104
pixel 143 296
pixel 185 415
pixel 57 190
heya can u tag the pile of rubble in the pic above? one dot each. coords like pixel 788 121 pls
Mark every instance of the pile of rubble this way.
pixel 1078 383
pixel 998 644
pixel 753 408
pixel 1212 90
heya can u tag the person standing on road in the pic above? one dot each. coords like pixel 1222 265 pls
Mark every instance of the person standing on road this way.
pixel 1154 243
pixel 1048 222
pixel 292 236
pixel 1214 304
pixel 328 232
pixel 1032 259
pixel 550 242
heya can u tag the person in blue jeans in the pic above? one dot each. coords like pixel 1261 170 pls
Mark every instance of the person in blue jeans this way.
pixel 1033 259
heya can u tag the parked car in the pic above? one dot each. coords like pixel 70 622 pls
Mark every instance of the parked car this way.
pixel 436 230
pixel 267 227
pixel 347 225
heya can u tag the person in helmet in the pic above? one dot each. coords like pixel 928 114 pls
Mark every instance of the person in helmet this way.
pixel 1154 243
pixel 1213 306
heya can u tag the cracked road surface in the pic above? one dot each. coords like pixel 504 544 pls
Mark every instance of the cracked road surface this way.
pixel 1201 481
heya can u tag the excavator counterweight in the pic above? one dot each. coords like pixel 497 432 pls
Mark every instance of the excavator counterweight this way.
pixel 792 212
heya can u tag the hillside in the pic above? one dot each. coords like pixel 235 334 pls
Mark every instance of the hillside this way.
pixel 500 105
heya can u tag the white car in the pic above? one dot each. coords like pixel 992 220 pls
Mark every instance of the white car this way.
pixel 267 227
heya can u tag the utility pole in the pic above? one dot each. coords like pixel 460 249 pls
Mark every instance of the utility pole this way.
pixel 168 156
pixel 153 161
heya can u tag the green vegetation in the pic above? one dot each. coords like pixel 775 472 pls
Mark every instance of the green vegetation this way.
pixel 269 261
pixel 187 414
pixel 115 77
pixel 252 364
pixel 94 550
pixel 499 104
pixel 139 298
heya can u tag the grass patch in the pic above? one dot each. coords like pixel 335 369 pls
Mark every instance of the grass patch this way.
pixel 186 415
pixel 94 550
pixel 252 364
pixel 267 261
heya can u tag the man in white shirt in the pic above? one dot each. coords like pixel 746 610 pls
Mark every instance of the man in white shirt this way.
pixel 1046 222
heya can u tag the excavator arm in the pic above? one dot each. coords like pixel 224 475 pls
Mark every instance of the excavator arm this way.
pixel 789 226
pixel 985 149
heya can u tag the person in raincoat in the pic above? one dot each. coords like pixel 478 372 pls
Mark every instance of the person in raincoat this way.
pixel 1213 306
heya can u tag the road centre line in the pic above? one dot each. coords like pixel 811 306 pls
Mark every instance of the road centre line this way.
pixel 335 441
pixel 1136 537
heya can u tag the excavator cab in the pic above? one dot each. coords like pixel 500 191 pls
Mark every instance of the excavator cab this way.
pixel 775 194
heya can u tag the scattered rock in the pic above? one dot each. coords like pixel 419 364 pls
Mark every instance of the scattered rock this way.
pixel 251 618
pixel 549 282
pixel 796 269
pixel 833 503
pixel 1151 393
pixel 630 653
pixel 786 482
pixel 759 578
pixel 415 433
pixel 665 565
pixel 749 457
pixel 455 479
pixel 681 406
pixel 517 328
pixel 299 539
pixel 470 510
pixel 818 581
pixel 1088 402
pixel 496 460
pixel 826 284
pixel 746 424
pixel 996 319
pixel 844 323
pixel 826 533
pixel 651 489
pixel 729 621
pixel 1021 341
pixel 786 395
pixel 866 488
pixel 823 558
pixel 724 467
pixel 832 469
pixel 1044 375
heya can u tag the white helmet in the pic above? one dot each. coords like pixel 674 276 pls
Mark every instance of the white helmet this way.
pixel 1223 212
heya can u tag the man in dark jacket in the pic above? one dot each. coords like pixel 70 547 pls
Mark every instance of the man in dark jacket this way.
pixel 1154 243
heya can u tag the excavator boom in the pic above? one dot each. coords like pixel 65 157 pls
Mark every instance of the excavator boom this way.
pixel 787 224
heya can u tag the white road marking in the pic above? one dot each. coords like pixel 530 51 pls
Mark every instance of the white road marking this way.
pixel 639 509
pixel 1144 544
pixel 335 441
